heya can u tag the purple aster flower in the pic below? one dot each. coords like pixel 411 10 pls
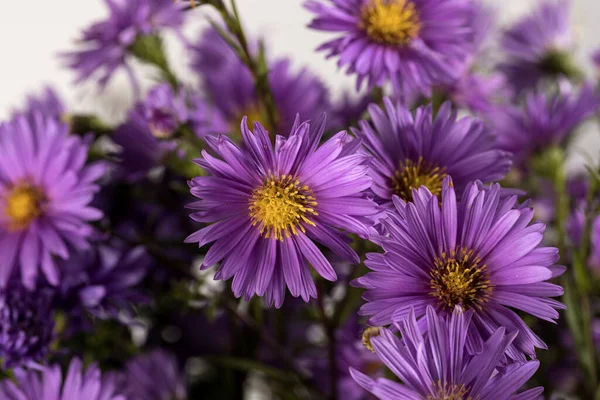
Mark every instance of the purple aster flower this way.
pixel 106 44
pixel 49 384
pixel 153 376
pixel 26 325
pixel 479 93
pixel 230 86
pixel 48 103
pixel 596 60
pixel 477 252
pixel 437 365
pixel 410 42
pixel 410 152
pixel 537 45
pixel 348 111
pixel 104 282
pixel 45 192
pixel 147 135
pixel 544 121
pixel 266 206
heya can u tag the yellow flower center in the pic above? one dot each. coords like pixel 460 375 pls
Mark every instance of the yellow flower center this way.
pixel 413 175
pixel 459 278
pixel 392 22
pixel 23 205
pixel 281 206
pixel 445 391
pixel 370 332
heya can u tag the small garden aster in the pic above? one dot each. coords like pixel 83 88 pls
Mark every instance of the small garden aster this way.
pixel 409 42
pixel 266 205
pixel 478 252
pixel 437 366
pixel 45 192
pixel 545 120
pixel 106 44
pixel 538 46
pixel 230 86
pixel 410 152
pixel 48 384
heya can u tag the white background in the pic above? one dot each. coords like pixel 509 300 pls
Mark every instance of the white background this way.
pixel 33 33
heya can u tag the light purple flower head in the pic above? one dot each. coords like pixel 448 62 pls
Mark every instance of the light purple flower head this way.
pixel 412 43
pixel 103 282
pixel 148 134
pixel 536 45
pixel 545 120
pixel 230 86
pixel 153 376
pixel 437 365
pixel 105 44
pixel 479 252
pixel 267 205
pixel 26 325
pixel 48 104
pixel 45 195
pixel 477 92
pixel 48 384
pixel 596 61
pixel 421 150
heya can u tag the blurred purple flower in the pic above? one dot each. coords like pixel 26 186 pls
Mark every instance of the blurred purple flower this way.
pixel 230 86
pixel 410 152
pixel 412 43
pixel 544 121
pixel 267 206
pixel 106 44
pixel 153 376
pixel 48 104
pixel 536 45
pixel 478 252
pixel 26 325
pixel 45 195
pixel 48 384
pixel 438 365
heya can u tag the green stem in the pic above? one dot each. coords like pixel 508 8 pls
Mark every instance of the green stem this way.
pixel 331 341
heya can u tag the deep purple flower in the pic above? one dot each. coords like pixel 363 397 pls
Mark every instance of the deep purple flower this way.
pixel 544 121
pixel 409 42
pixel 410 152
pixel 106 44
pixel 48 384
pixel 45 192
pixel 437 365
pixel 266 206
pixel 537 45
pixel 230 86
pixel 103 282
pixel 26 325
pixel 478 252
pixel 147 135
pixel 153 376
pixel 48 104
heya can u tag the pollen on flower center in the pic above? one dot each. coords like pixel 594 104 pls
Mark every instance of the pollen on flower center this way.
pixel 446 391
pixel 393 22
pixel 23 204
pixel 459 278
pixel 281 206
pixel 412 175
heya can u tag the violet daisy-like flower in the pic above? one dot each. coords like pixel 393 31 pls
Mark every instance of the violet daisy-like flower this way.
pixel 437 365
pixel 103 282
pixel 537 46
pixel 267 206
pixel 45 195
pixel 153 376
pixel 421 150
pixel 48 384
pixel 26 325
pixel 147 135
pixel 478 252
pixel 231 88
pixel 544 121
pixel 48 103
pixel 106 44
pixel 410 42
